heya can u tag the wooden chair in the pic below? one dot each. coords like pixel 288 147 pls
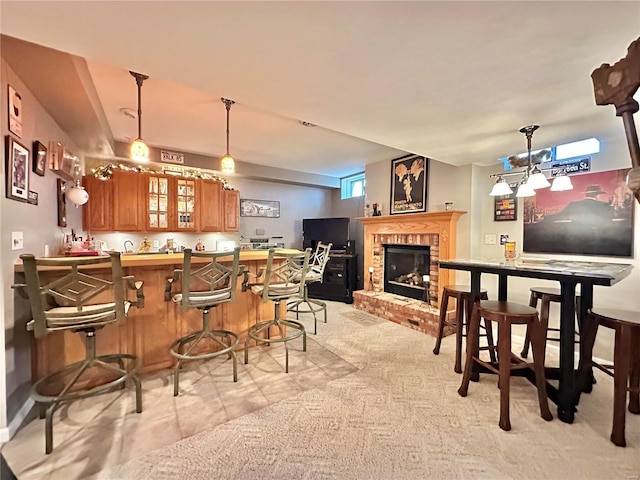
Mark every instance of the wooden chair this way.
pixel 626 362
pixel 317 264
pixel 506 314
pixel 464 306
pixel 69 302
pixel 284 277
pixel 546 296
pixel 205 286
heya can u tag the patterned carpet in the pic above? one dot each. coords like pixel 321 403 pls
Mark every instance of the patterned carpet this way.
pixel 398 417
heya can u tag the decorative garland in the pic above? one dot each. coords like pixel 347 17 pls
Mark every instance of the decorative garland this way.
pixel 104 172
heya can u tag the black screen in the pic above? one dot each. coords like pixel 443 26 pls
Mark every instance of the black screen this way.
pixel 325 230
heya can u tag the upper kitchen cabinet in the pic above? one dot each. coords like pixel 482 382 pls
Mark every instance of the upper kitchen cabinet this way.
pixel 210 198
pixel 97 213
pixel 128 206
pixel 170 203
pixel 231 205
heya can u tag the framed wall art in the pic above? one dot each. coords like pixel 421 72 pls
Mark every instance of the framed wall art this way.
pixel 17 170
pixel 409 176
pixel 505 208
pixel 594 218
pixel 62 161
pixel 15 112
pixel 62 203
pixel 259 208
pixel 39 158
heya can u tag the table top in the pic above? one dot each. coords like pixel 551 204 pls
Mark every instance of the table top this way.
pixel 601 273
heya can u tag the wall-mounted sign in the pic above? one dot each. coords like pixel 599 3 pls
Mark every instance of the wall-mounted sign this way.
pixel 171 157
pixel 582 165
pixel 506 208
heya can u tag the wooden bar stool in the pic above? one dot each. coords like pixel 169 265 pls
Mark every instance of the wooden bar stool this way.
pixel 506 314
pixel 462 295
pixel 626 362
pixel 546 296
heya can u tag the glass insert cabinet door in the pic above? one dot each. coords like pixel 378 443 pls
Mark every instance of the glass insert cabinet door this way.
pixel 158 203
pixel 186 198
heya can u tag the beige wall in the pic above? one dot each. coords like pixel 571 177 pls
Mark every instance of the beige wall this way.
pixel 39 227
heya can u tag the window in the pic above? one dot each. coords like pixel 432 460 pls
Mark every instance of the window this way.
pixel 352 186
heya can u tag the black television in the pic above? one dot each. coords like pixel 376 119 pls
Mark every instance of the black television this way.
pixel 325 230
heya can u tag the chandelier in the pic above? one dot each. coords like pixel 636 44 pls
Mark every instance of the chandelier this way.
pixel 139 150
pixel 227 164
pixel 533 177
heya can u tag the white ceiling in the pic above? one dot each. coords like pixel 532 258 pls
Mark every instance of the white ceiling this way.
pixel 450 80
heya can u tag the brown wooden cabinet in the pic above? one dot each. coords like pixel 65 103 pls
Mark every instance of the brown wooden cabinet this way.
pixel 97 213
pixel 210 198
pixel 149 202
pixel 128 206
pixel 231 210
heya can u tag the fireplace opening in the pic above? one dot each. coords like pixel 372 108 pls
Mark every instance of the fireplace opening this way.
pixel 406 270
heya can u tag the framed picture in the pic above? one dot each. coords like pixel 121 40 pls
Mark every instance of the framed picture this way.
pixel 505 208
pixel 409 176
pixel 33 197
pixel 17 170
pixel 62 161
pixel 62 204
pixel 259 208
pixel 39 158
pixel 15 112
pixel 594 218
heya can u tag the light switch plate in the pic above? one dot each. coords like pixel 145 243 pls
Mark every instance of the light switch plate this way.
pixel 17 241
pixel 490 239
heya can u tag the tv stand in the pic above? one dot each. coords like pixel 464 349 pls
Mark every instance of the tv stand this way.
pixel 339 279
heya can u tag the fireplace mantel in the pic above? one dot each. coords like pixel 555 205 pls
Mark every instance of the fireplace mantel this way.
pixel 442 224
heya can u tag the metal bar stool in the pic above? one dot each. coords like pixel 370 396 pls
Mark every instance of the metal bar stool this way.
pixel 317 264
pixel 204 286
pixel 506 314
pixel 546 295
pixel 462 295
pixel 284 277
pixel 68 302
pixel 626 362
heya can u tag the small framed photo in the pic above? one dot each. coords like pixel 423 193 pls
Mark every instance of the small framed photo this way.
pixel 15 112
pixel 62 204
pixel 17 170
pixel 33 197
pixel 62 161
pixel 39 158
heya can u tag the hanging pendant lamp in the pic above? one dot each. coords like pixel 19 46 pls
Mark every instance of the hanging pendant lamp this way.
pixel 139 150
pixel 227 164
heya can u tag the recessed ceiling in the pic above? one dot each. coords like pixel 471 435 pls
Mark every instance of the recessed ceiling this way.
pixel 450 80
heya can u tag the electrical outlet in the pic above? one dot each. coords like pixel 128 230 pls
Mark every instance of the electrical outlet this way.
pixel 17 241
pixel 156 244
pixel 259 231
pixel 490 239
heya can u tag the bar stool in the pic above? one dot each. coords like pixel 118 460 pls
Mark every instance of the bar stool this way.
pixel 204 286
pixel 284 277
pixel 546 295
pixel 68 303
pixel 626 362
pixel 462 295
pixel 317 264
pixel 506 314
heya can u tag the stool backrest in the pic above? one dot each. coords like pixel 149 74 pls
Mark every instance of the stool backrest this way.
pixel 212 282
pixel 320 258
pixel 285 273
pixel 74 289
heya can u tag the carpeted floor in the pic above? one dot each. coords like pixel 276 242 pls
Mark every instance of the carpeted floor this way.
pixel 399 417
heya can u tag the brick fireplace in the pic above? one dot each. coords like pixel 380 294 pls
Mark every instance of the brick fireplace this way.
pixel 435 229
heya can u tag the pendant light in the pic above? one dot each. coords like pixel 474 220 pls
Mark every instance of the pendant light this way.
pixel 227 164
pixel 77 194
pixel 139 150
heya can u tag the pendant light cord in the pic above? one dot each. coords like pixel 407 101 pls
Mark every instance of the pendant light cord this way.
pixel 227 104
pixel 139 79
